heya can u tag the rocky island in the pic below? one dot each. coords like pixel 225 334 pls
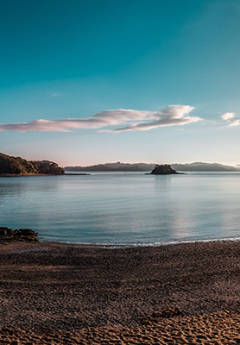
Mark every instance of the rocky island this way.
pixel 17 166
pixel 164 169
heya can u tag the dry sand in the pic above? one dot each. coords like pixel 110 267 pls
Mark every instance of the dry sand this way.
pixel 74 294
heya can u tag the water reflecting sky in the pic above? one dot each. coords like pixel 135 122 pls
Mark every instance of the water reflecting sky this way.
pixel 124 208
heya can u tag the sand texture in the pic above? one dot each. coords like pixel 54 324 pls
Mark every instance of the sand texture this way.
pixel 74 294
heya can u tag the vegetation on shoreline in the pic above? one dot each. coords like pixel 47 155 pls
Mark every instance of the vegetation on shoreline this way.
pixel 10 165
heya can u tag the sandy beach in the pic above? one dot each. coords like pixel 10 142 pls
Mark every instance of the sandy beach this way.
pixel 52 293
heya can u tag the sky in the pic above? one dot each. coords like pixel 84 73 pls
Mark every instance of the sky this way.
pixel 87 81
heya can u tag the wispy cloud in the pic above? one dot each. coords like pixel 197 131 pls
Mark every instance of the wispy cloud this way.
pixel 54 94
pixel 235 123
pixel 228 116
pixel 174 115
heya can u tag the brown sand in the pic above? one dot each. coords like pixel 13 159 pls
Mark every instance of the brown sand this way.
pixel 75 294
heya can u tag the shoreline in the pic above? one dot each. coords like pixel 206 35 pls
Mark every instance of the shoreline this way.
pixel 140 244
pixel 36 175
pixel 26 175
pixel 62 289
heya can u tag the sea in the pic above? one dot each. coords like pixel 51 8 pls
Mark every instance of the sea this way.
pixel 132 208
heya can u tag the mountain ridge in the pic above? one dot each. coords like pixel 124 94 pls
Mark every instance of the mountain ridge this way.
pixel 118 166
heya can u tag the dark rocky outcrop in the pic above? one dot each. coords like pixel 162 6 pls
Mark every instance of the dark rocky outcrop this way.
pixel 164 169
pixel 18 166
pixel 24 235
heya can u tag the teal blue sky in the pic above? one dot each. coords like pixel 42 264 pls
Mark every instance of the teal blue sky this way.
pixel 161 75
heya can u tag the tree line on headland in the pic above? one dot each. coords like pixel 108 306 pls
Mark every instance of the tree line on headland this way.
pixel 18 166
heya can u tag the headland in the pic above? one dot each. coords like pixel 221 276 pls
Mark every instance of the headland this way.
pixel 17 166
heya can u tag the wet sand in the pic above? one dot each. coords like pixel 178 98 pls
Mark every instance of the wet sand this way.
pixel 77 294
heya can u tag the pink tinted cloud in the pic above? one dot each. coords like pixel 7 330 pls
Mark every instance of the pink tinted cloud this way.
pixel 174 115
pixel 131 120
pixel 228 116
pixel 234 123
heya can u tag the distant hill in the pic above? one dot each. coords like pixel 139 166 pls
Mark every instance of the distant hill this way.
pixel 18 166
pixel 197 166
pixel 113 167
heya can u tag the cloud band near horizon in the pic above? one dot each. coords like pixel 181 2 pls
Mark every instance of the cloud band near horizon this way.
pixel 130 120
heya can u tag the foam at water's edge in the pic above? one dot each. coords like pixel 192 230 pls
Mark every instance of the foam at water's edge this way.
pixel 154 244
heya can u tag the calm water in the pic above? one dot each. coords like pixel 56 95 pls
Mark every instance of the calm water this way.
pixel 124 208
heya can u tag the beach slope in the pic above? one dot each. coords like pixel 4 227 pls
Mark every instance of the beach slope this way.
pixel 179 294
